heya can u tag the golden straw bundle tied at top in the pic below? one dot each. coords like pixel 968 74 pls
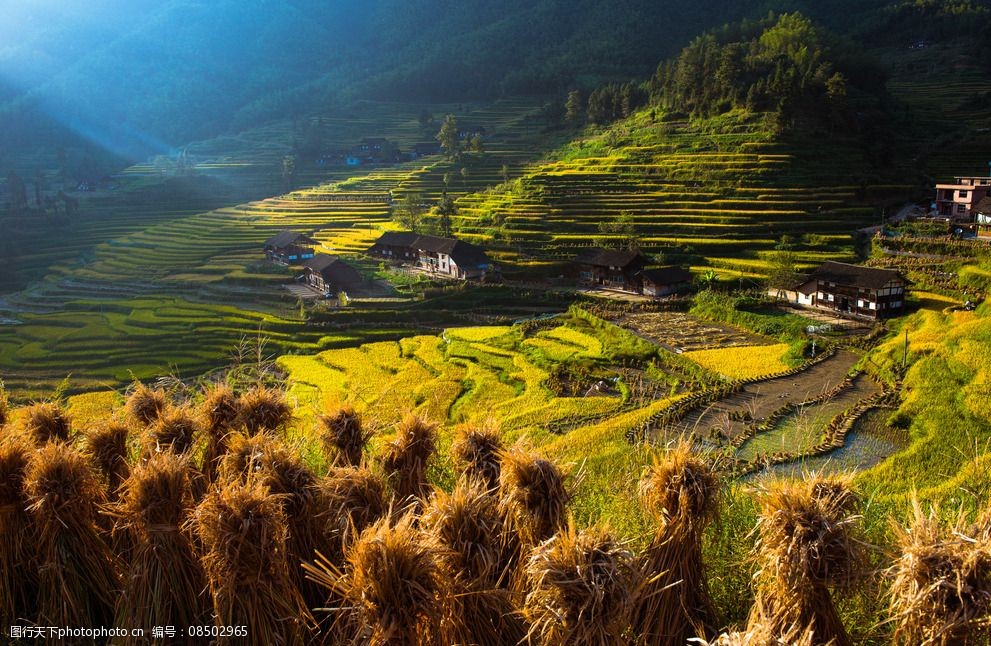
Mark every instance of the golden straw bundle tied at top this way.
pixel 343 438
pixel 681 493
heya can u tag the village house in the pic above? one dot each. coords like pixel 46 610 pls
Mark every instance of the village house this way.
pixel 855 290
pixel 610 268
pixel 425 149
pixel 289 248
pixel 958 201
pixel 446 257
pixel 396 246
pixel 330 275
pixel 665 281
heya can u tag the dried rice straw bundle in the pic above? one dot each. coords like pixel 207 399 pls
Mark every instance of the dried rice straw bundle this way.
pixel 108 446
pixel 243 460
pixel 393 587
pixel 356 498
pixel 406 458
pixel 343 437
pixel 78 578
pixel 534 494
pixel 478 560
pixel 582 589
pixel 45 422
pixel 809 542
pixel 18 558
pixel 941 583
pixel 476 450
pixel 681 493
pixel 243 534
pixel 305 509
pixel 164 583
pixel 220 414
pixel 264 410
pixel 173 431
pixel 145 404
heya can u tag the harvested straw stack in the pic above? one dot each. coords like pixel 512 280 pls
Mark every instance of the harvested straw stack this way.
pixel 941 583
pixel 145 404
pixel 164 584
pixel 45 422
pixel 534 494
pixel 78 577
pixel 243 460
pixel 220 414
pixel 808 543
pixel 476 451
pixel 357 497
pixel 305 509
pixel 343 437
pixel 242 531
pixel 681 493
pixel 18 559
pixel 406 459
pixel 582 589
pixel 478 559
pixel 173 431
pixel 263 410
pixel 108 446
pixel 393 588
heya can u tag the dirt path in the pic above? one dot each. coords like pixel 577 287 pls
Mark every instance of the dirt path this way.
pixel 756 401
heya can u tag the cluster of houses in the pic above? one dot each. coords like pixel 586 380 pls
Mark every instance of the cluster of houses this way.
pixel 841 288
pixel 965 200
pixel 850 290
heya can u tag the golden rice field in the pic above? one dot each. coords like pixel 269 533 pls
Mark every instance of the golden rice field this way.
pixel 742 362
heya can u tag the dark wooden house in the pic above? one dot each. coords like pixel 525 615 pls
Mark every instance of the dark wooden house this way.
pixel 855 290
pixel 610 268
pixel 331 275
pixel 665 281
pixel 447 257
pixel 395 246
pixel 451 257
pixel 289 247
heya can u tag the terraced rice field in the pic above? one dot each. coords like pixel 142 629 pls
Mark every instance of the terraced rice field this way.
pixel 175 289
pixel 720 200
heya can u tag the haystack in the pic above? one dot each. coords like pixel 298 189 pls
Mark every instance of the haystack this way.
pixel 407 457
pixel 264 410
pixel 78 575
pixel 582 589
pixel 392 587
pixel 107 443
pixel 164 584
pixel 343 437
pixel 534 494
pixel 145 404
pixel 809 543
pixel 220 414
pixel 18 546
pixel 479 556
pixel 45 422
pixel 941 583
pixel 681 494
pixel 243 534
pixel 476 451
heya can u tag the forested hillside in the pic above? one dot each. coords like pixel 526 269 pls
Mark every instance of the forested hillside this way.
pixel 183 69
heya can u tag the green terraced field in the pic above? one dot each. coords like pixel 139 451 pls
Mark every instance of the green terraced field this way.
pixel 147 279
pixel 717 198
